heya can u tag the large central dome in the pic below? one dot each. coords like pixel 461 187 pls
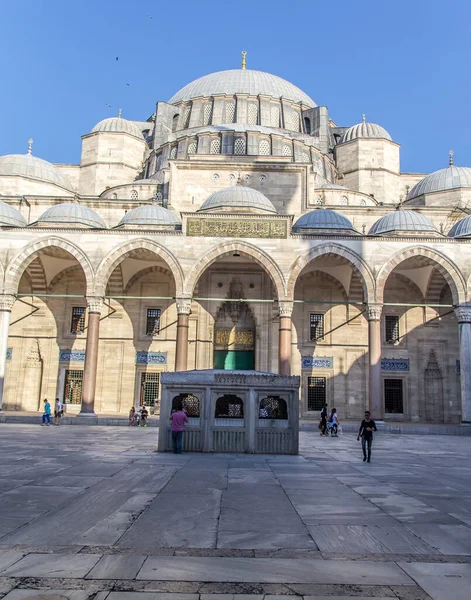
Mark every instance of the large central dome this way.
pixel 241 81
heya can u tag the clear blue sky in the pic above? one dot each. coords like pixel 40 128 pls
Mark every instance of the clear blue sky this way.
pixel 406 64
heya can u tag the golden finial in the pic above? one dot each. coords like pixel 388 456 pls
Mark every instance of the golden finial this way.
pixel 451 161
pixel 363 117
pixel 120 112
pixel 30 145
pixel 244 59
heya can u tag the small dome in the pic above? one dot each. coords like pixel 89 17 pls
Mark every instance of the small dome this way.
pixel 407 221
pixel 32 167
pixel 118 125
pixel 70 213
pixel 461 229
pixel 366 130
pixel 322 218
pixel 445 179
pixel 149 215
pixel 238 197
pixel 10 217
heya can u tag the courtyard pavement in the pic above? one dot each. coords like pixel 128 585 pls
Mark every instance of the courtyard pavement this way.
pixel 95 513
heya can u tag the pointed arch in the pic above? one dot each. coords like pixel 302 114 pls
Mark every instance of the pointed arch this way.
pixel 357 263
pixel 116 256
pixel 62 274
pixel 23 259
pixel 221 250
pixel 449 270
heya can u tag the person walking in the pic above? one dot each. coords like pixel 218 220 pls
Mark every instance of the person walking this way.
pixel 58 409
pixel 332 423
pixel 323 421
pixel 178 419
pixel 366 433
pixel 47 413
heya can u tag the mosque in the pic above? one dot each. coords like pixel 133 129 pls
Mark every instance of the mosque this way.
pixel 240 228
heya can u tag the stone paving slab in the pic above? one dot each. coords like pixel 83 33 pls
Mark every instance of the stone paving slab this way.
pixel 52 565
pixel 117 567
pixel 441 581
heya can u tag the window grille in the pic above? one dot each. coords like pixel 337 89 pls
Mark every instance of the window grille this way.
pixel 393 396
pixel 230 112
pixel 150 383
pixel 392 329
pixel 239 146
pixel 262 178
pixel 134 195
pixel 207 114
pixel 319 200
pixel 189 403
pixel 275 116
pixel 316 393
pixel 215 177
pixel 273 407
pixel 173 153
pixel 344 201
pixel 215 146
pixel 186 117
pixel 192 147
pixel 294 120
pixel 77 324
pixel 247 178
pixel 153 321
pixel 286 150
pixel 73 387
pixel 305 157
pixel 253 114
pixel 229 407
pixel 316 327
pixel 264 148
pixel 159 197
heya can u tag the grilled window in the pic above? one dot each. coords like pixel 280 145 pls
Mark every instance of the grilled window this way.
pixel 189 403
pixel 229 407
pixel 393 396
pixel 149 389
pixel 73 387
pixel 316 327
pixel 192 147
pixel 392 329
pixel 134 195
pixel 153 321
pixel 207 114
pixel 264 148
pixel 316 396
pixel 239 146
pixel 215 146
pixel 77 324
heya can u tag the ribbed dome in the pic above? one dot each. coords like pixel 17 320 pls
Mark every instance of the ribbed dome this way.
pixel 322 218
pixel 32 167
pixel 403 220
pixel 149 215
pixel 445 179
pixel 71 212
pixel 366 130
pixel 118 125
pixel 461 229
pixel 10 217
pixel 238 197
pixel 241 81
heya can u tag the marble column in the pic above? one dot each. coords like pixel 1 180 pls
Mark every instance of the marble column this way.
pixel 284 346
pixel 95 305
pixel 463 314
pixel 183 318
pixel 6 304
pixel 374 352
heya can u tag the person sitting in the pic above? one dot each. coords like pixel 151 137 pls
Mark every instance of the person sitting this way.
pixel 132 414
pixel 144 415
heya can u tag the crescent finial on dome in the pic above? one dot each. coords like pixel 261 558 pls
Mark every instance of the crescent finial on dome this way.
pixel 30 145
pixel 451 162
pixel 363 117
pixel 120 112
pixel 244 59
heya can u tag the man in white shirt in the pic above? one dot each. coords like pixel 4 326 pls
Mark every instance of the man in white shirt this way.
pixel 58 409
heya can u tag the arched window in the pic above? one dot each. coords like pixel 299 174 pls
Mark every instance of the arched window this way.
pixel 305 157
pixel 253 114
pixel 187 402
pixel 192 147
pixel 362 202
pixel 273 407
pixel 287 150
pixel 344 201
pixel 115 196
pixel 294 120
pixel 134 195
pixel 215 146
pixel 207 113
pixel 173 153
pixel 275 116
pixel 229 407
pixel 307 124
pixel 239 146
pixel 264 148
pixel 175 123
pixel 186 118
pixel 230 112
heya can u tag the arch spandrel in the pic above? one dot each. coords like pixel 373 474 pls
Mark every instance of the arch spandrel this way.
pixel 221 250
pixel 357 263
pixel 22 260
pixel 116 256
pixel 449 270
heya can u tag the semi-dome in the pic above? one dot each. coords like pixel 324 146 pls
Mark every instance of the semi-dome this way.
pixel 445 179
pixel 72 213
pixel 10 217
pixel 366 130
pixel 239 198
pixel 118 125
pixel 149 215
pixel 241 81
pixel 32 167
pixel 323 218
pixel 461 229
pixel 407 221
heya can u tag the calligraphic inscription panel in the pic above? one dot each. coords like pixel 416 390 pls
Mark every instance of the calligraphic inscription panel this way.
pixel 234 337
pixel 237 228
pixel 317 362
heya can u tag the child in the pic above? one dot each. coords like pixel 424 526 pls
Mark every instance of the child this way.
pixel 47 413
pixel 132 413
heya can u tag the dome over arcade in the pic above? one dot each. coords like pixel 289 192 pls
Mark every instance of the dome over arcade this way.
pixel 118 125
pixel 32 167
pixel 71 213
pixel 365 130
pixel 242 81
pixel 238 198
pixel 406 221
pixel 445 179
pixel 322 218
pixel 10 217
pixel 461 229
pixel 149 215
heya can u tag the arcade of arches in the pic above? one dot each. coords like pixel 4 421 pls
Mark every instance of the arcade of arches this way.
pixel 99 336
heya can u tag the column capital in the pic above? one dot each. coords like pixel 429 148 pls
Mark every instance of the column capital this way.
pixel 95 304
pixel 183 306
pixel 7 301
pixel 463 313
pixel 285 308
pixel 374 312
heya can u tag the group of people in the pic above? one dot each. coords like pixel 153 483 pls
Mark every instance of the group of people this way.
pixel 329 425
pixel 58 412
pixel 138 417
